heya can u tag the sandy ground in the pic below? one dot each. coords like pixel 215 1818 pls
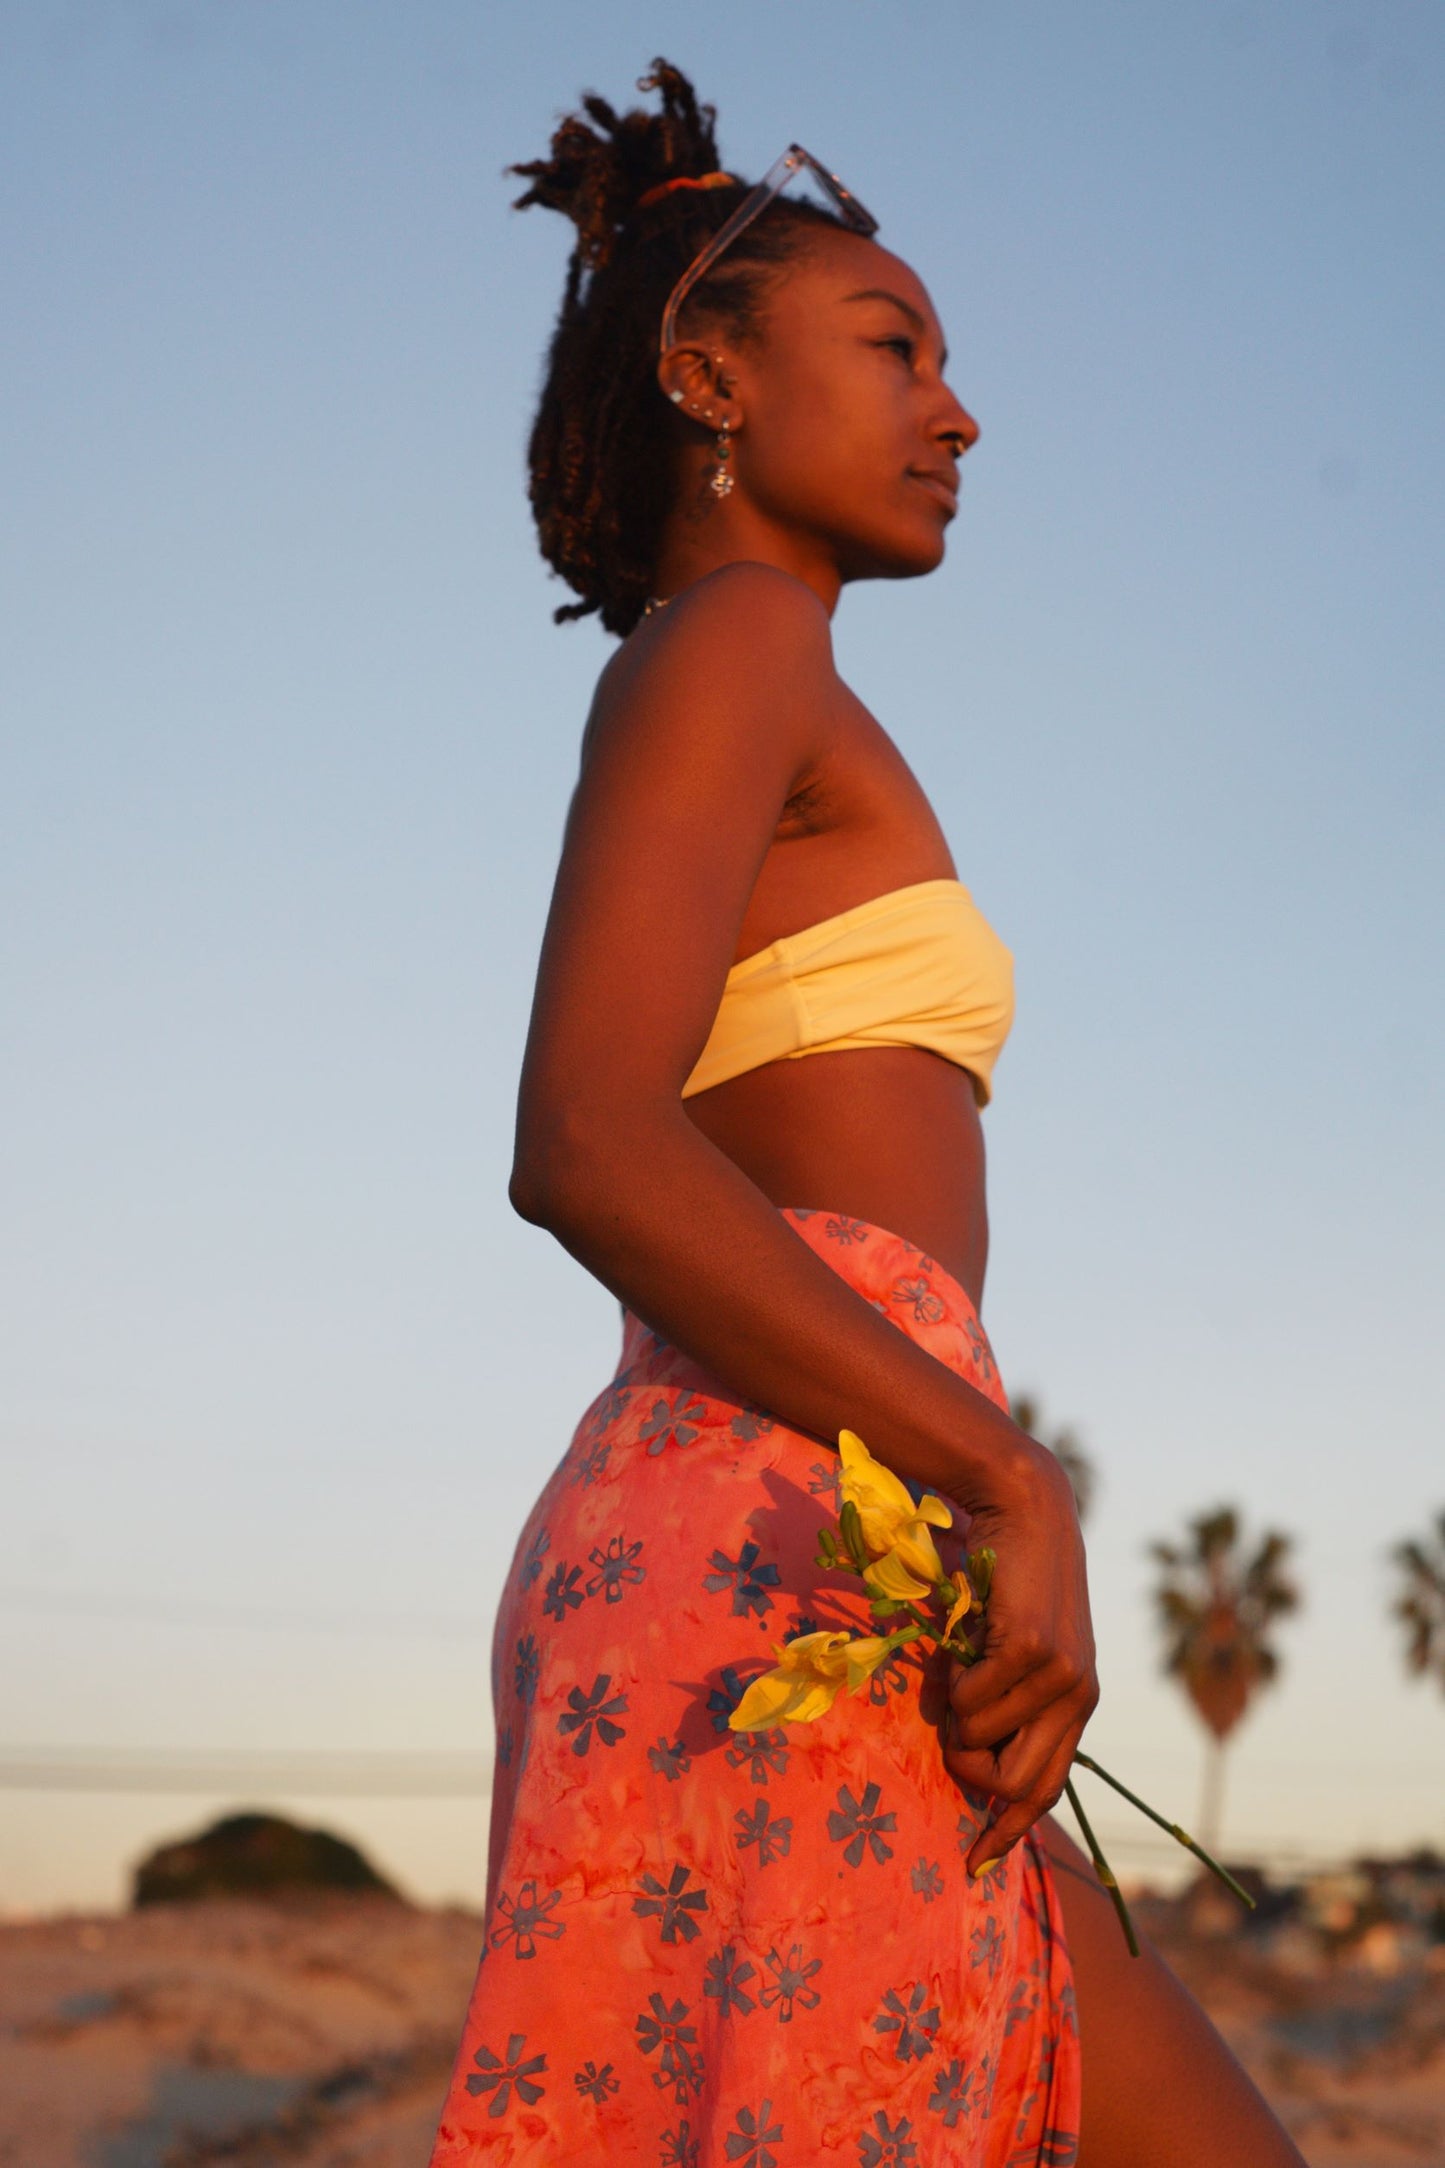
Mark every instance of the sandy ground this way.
pixel 244 2034
pixel 1353 2063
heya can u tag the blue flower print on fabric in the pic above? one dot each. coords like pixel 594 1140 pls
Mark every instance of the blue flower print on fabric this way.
pixel 839 1228
pixel 889 1678
pixel 670 1759
pixel 593 1463
pixel 497 2074
pixel 595 2084
pixel 525 1917
pixel 611 1403
pixel 616 1567
pixel 887 2145
pixel 918 1298
pixel 726 1981
pixel 773 1838
pixel 528 1667
pixel 536 1551
pixel 562 1594
pixel 749 1424
pixel 751 2142
pixel 680 2149
pixel 598 1707
pixel 748 1581
pixel 791 1983
pixel 826 1481
pixel 914 2025
pixel 927 1880
pixel 673 1423
pixel 506 1741
pixel 986 1946
pixel 1022 2002
pixel 673 1905
pixel 982 1352
pixel 725 1698
pixel 958 2091
pixel 950 2096
pixel 859 1821
pixel 758 1752
pixel 972 1820
pixel 680 2066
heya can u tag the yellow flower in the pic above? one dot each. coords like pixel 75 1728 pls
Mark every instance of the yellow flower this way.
pixel 891 1577
pixel 864 1656
pixel 963 1600
pixel 812 1671
pixel 890 1519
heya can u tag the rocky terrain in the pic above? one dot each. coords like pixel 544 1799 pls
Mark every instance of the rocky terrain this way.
pixel 231 2031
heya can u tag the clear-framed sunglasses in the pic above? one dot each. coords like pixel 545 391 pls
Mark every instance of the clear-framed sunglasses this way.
pixel 793 161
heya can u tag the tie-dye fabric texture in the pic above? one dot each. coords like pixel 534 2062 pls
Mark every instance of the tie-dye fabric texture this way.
pixel 754 1950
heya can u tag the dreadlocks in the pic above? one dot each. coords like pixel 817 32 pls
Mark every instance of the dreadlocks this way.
pixel 602 455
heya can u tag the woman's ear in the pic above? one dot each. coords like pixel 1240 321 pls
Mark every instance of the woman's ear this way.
pixel 696 382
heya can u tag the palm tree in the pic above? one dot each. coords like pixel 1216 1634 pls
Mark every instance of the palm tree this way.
pixel 1063 1445
pixel 1420 1605
pixel 1215 1607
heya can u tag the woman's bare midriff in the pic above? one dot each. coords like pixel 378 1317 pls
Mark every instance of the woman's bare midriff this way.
pixel 887 1134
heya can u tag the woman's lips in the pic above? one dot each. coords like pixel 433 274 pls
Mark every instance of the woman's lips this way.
pixel 939 487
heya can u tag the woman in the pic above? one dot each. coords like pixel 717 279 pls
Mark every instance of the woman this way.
pixel 766 1020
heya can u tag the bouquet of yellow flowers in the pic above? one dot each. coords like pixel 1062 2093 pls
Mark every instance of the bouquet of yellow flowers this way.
pixel 884 1536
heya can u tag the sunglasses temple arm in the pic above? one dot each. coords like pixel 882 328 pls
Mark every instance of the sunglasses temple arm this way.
pixel 754 203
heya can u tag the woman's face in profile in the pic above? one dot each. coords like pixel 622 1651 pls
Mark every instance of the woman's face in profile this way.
pixel 849 434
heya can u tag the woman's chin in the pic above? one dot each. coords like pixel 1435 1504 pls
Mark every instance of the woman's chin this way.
pixel 901 558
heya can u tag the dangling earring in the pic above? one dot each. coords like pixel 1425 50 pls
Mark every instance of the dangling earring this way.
pixel 720 480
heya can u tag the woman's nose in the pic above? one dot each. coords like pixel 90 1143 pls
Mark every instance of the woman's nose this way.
pixel 960 428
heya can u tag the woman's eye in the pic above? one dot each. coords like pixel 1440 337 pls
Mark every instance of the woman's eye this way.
pixel 900 345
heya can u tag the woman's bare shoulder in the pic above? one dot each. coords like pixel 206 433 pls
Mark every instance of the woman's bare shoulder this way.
pixel 742 590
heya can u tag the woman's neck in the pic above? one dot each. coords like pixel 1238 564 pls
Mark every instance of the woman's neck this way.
pixel 704 534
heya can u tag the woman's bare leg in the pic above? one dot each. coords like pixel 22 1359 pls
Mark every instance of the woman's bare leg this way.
pixel 1161 2089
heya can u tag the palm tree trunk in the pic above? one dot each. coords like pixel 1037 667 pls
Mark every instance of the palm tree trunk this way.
pixel 1211 1803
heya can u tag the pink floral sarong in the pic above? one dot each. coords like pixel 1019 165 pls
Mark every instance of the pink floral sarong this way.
pixel 751 1950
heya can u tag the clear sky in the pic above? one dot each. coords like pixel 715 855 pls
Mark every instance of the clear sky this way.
pixel 288 736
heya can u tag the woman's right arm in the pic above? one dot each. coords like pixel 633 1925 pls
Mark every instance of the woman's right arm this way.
pixel 701 731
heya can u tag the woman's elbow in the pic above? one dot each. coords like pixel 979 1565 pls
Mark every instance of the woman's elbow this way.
pixel 569 1166
pixel 527 1192
pixel 545 1182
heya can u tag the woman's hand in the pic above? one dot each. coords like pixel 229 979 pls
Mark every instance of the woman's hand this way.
pixel 1017 1714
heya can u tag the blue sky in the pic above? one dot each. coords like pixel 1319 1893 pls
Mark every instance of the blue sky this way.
pixel 288 736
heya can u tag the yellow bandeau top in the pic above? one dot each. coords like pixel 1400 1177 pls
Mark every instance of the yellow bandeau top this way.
pixel 920 966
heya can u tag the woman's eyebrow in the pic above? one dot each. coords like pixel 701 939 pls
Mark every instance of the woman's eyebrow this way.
pixel 906 308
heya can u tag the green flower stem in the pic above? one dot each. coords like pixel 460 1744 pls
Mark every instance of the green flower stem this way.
pixel 1180 1836
pixel 1104 1871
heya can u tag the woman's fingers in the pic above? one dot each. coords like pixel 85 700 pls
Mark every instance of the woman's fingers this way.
pixel 1011 1774
pixel 986 1722
pixel 1034 1786
pixel 1019 1815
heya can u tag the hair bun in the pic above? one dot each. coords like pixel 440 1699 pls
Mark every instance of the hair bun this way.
pixel 599 176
